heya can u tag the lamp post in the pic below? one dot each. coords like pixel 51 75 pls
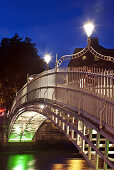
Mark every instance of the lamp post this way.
pixel 89 27
pixel 47 59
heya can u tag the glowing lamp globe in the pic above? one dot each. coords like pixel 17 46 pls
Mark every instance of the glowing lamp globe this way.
pixel 47 58
pixel 42 106
pixel 89 27
pixel 30 78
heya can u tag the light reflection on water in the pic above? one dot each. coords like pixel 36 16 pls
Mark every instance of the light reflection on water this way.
pixel 42 160
pixel 21 162
pixel 72 164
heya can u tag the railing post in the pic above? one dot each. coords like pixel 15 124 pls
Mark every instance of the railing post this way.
pixel 27 85
pixel 56 79
pixel 105 83
pixel 78 138
pixel 97 81
pixel 72 131
pixel 56 119
pixel 83 141
pixel 106 153
pixel 68 126
pixel 97 147
pixel 63 126
pixel 59 119
pixel 45 93
pixel 89 146
pixel 112 74
pixel 79 104
pixel 101 112
pixel 38 93
pixel 53 95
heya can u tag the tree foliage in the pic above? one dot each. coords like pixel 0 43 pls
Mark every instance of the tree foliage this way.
pixel 18 56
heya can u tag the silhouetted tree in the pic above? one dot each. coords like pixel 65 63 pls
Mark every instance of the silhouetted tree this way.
pixel 18 56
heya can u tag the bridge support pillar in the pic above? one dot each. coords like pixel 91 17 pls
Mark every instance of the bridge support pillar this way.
pixel 97 147
pixel 89 146
pixel 106 153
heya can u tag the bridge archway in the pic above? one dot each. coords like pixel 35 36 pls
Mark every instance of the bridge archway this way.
pixel 28 118
pixel 24 125
pixel 65 120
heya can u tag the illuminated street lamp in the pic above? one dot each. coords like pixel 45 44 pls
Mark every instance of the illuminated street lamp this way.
pixel 47 59
pixel 42 106
pixel 30 78
pixel 89 27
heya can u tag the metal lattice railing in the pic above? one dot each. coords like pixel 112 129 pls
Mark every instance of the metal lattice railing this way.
pixel 82 52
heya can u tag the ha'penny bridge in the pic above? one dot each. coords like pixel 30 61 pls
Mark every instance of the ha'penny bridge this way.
pixel 78 101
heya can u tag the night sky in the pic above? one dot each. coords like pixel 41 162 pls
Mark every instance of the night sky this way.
pixel 56 26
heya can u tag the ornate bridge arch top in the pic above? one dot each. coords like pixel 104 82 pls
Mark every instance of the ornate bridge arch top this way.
pixel 81 53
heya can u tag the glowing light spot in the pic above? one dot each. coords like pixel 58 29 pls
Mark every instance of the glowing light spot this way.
pixel 19 167
pixel 89 27
pixel 18 129
pixel 47 58
pixel 42 106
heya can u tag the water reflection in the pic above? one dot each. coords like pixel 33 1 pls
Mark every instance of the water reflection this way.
pixel 21 162
pixel 72 164
pixel 77 164
pixel 43 160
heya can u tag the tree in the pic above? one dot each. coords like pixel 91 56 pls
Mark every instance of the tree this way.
pixel 18 56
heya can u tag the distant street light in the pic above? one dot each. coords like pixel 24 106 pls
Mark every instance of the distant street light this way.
pixel 47 59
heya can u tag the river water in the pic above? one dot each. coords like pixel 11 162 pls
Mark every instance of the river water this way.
pixel 43 159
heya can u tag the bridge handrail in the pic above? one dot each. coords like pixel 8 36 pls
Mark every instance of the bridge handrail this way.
pixel 84 70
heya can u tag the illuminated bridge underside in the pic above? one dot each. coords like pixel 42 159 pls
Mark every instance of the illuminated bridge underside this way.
pixel 25 126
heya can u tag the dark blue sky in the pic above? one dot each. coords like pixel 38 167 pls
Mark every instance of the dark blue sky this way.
pixel 56 26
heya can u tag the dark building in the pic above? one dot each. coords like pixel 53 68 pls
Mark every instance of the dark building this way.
pixel 93 60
